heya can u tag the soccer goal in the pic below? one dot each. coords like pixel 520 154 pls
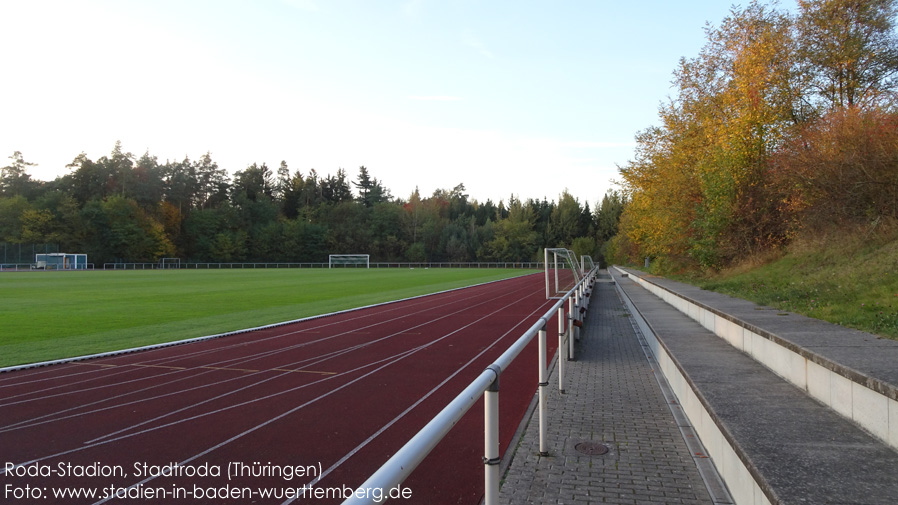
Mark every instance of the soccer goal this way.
pixel 562 271
pixel 174 263
pixel 586 264
pixel 348 260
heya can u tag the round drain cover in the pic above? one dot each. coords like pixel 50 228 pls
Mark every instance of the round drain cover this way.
pixel 592 448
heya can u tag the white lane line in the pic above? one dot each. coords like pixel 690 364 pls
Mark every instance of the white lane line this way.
pixel 385 427
pixel 389 361
pixel 30 422
pixel 22 424
pixel 280 416
pixel 233 361
pixel 104 442
pixel 229 393
pixel 383 307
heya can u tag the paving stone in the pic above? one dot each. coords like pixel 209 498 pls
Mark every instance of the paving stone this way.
pixel 796 449
pixel 612 397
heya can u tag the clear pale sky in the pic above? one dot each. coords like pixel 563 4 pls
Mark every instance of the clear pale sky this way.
pixel 524 98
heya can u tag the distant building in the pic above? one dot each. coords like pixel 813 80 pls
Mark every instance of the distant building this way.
pixel 60 261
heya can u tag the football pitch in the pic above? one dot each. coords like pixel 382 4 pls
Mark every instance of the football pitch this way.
pixel 53 315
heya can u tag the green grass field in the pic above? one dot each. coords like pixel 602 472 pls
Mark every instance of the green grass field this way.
pixel 52 315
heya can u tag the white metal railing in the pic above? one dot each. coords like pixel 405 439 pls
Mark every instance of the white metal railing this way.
pixel 392 473
pixel 16 266
pixel 130 266
pixel 20 267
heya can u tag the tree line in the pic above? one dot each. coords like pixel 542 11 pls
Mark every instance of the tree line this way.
pixel 123 208
pixel 783 124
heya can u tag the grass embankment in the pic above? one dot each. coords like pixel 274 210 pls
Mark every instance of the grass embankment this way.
pixel 52 315
pixel 849 279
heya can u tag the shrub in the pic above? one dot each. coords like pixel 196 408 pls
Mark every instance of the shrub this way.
pixel 842 168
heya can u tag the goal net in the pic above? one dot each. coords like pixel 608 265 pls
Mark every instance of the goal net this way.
pixel 586 264
pixel 348 260
pixel 170 263
pixel 562 271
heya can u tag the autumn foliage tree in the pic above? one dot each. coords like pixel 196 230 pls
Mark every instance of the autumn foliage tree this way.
pixel 849 50
pixel 702 187
pixel 734 104
pixel 841 170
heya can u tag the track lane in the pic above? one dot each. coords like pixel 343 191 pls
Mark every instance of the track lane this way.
pixel 265 429
pixel 178 365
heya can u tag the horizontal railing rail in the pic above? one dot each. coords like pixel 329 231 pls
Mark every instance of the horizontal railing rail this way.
pixel 392 473
pixel 16 266
pixel 19 267
pixel 130 266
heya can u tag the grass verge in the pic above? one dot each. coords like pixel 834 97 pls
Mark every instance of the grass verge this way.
pixel 848 279
pixel 53 315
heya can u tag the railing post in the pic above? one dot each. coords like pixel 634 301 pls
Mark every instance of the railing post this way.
pixel 570 328
pixel 491 457
pixel 543 385
pixel 561 349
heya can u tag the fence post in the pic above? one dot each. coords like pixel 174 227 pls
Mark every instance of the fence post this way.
pixel 543 384
pixel 491 457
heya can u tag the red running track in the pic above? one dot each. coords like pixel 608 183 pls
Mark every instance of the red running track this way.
pixel 311 408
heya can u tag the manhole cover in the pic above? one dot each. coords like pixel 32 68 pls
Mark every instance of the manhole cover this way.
pixel 592 448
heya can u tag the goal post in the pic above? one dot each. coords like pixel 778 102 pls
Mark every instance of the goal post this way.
pixel 562 271
pixel 586 264
pixel 174 263
pixel 348 260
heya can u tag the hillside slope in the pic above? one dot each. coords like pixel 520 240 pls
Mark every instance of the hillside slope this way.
pixel 845 278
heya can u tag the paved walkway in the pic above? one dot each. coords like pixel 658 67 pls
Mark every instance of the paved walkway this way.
pixel 613 398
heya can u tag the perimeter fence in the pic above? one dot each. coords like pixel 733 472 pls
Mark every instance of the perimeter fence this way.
pixel 401 465
pixel 15 267
pixel 13 253
pixel 383 264
pixel 21 267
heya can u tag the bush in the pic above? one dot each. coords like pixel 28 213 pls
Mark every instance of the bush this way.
pixel 841 169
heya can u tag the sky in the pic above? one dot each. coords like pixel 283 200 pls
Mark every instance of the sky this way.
pixel 510 98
